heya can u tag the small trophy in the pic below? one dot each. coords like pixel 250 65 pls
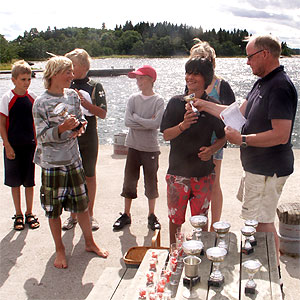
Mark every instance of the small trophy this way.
pixel 61 110
pixel 192 247
pixel 198 222
pixel 216 255
pixel 221 228
pixel 251 266
pixel 190 99
pixel 247 231
pixel 254 224
pixel 191 271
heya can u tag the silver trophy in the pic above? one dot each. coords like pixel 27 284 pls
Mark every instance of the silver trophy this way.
pixel 192 247
pixel 191 271
pixel 222 228
pixel 216 255
pixel 252 267
pixel 247 232
pixel 254 224
pixel 62 110
pixel 198 222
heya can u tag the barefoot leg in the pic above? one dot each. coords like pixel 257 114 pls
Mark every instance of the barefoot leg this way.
pixel 90 245
pixel 60 261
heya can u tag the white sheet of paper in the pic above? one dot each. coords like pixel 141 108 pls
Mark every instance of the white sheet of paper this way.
pixel 232 116
pixel 87 97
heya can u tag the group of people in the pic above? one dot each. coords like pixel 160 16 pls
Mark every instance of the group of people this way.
pixel 67 147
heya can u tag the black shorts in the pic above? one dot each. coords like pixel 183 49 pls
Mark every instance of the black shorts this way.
pixel 88 147
pixel 20 171
pixel 136 159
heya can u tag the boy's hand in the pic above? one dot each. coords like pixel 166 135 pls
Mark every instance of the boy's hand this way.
pixel 10 153
pixel 190 118
pixel 205 153
pixel 68 124
pixel 80 131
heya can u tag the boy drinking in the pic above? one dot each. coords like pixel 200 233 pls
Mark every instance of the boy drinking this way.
pixel 17 132
pixel 63 179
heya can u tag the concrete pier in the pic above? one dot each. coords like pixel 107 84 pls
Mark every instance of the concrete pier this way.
pixel 26 257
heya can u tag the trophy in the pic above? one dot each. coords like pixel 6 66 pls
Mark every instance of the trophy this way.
pixel 62 110
pixel 191 271
pixel 251 266
pixel 216 255
pixel 247 231
pixel 254 224
pixel 198 222
pixel 192 247
pixel 221 228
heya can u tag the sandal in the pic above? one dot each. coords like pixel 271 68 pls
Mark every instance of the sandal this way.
pixel 32 221
pixel 19 222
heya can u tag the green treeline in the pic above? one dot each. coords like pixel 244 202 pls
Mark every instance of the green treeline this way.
pixel 145 39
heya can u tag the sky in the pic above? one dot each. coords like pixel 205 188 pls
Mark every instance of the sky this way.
pixel 278 17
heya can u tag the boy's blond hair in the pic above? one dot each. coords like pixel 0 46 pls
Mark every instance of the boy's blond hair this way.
pixel 20 67
pixel 203 49
pixel 80 56
pixel 55 65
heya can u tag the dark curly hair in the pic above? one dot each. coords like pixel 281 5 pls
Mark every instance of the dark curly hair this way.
pixel 202 66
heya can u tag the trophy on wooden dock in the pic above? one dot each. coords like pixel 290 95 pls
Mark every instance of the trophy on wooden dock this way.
pixel 251 266
pixel 254 224
pixel 198 222
pixel 62 110
pixel 191 271
pixel 222 228
pixel 216 255
pixel 247 232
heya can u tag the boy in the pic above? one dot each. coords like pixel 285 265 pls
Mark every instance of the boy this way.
pixel 93 103
pixel 143 116
pixel 63 180
pixel 17 132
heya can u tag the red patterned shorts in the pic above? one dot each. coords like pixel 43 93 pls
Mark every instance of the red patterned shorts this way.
pixel 180 190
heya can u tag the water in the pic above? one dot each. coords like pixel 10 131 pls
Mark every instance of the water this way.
pixel 170 81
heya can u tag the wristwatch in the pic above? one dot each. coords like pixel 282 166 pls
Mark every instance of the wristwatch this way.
pixel 244 143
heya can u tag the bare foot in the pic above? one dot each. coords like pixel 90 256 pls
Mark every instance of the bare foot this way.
pixel 60 261
pixel 94 248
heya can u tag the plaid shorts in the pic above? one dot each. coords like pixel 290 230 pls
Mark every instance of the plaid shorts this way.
pixel 180 190
pixel 64 187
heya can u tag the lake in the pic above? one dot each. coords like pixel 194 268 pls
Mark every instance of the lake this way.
pixel 170 81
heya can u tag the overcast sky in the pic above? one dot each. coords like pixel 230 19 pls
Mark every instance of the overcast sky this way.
pixel 279 17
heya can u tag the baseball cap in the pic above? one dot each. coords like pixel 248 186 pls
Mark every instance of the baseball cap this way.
pixel 145 70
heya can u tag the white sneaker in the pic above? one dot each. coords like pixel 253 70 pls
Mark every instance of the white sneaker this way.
pixel 69 223
pixel 94 224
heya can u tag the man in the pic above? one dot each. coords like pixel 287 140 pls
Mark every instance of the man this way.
pixel 266 150
pixel 191 170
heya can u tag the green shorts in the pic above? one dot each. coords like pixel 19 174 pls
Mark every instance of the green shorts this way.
pixel 63 187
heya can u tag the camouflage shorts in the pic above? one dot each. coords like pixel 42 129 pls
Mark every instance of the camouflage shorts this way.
pixel 63 187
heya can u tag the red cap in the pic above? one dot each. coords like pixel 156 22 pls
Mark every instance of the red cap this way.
pixel 143 71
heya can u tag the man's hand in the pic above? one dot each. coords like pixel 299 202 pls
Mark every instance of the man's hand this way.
pixel 199 104
pixel 205 153
pixel 233 136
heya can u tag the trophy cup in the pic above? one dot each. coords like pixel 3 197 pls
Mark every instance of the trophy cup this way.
pixel 198 222
pixel 191 271
pixel 254 224
pixel 192 247
pixel 247 231
pixel 251 266
pixel 221 228
pixel 216 255
pixel 61 110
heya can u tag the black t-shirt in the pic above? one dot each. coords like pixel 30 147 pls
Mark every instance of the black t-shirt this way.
pixel 183 158
pixel 272 97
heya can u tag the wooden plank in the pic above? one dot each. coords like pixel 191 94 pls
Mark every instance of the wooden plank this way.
pixel 230 269
pixel 107 284
pixel 140 279
pixel 209 239
pixel 273 268
pixel 122 288
pixel 262 277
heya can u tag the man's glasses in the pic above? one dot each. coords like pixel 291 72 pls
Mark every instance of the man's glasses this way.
pixel 251 55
